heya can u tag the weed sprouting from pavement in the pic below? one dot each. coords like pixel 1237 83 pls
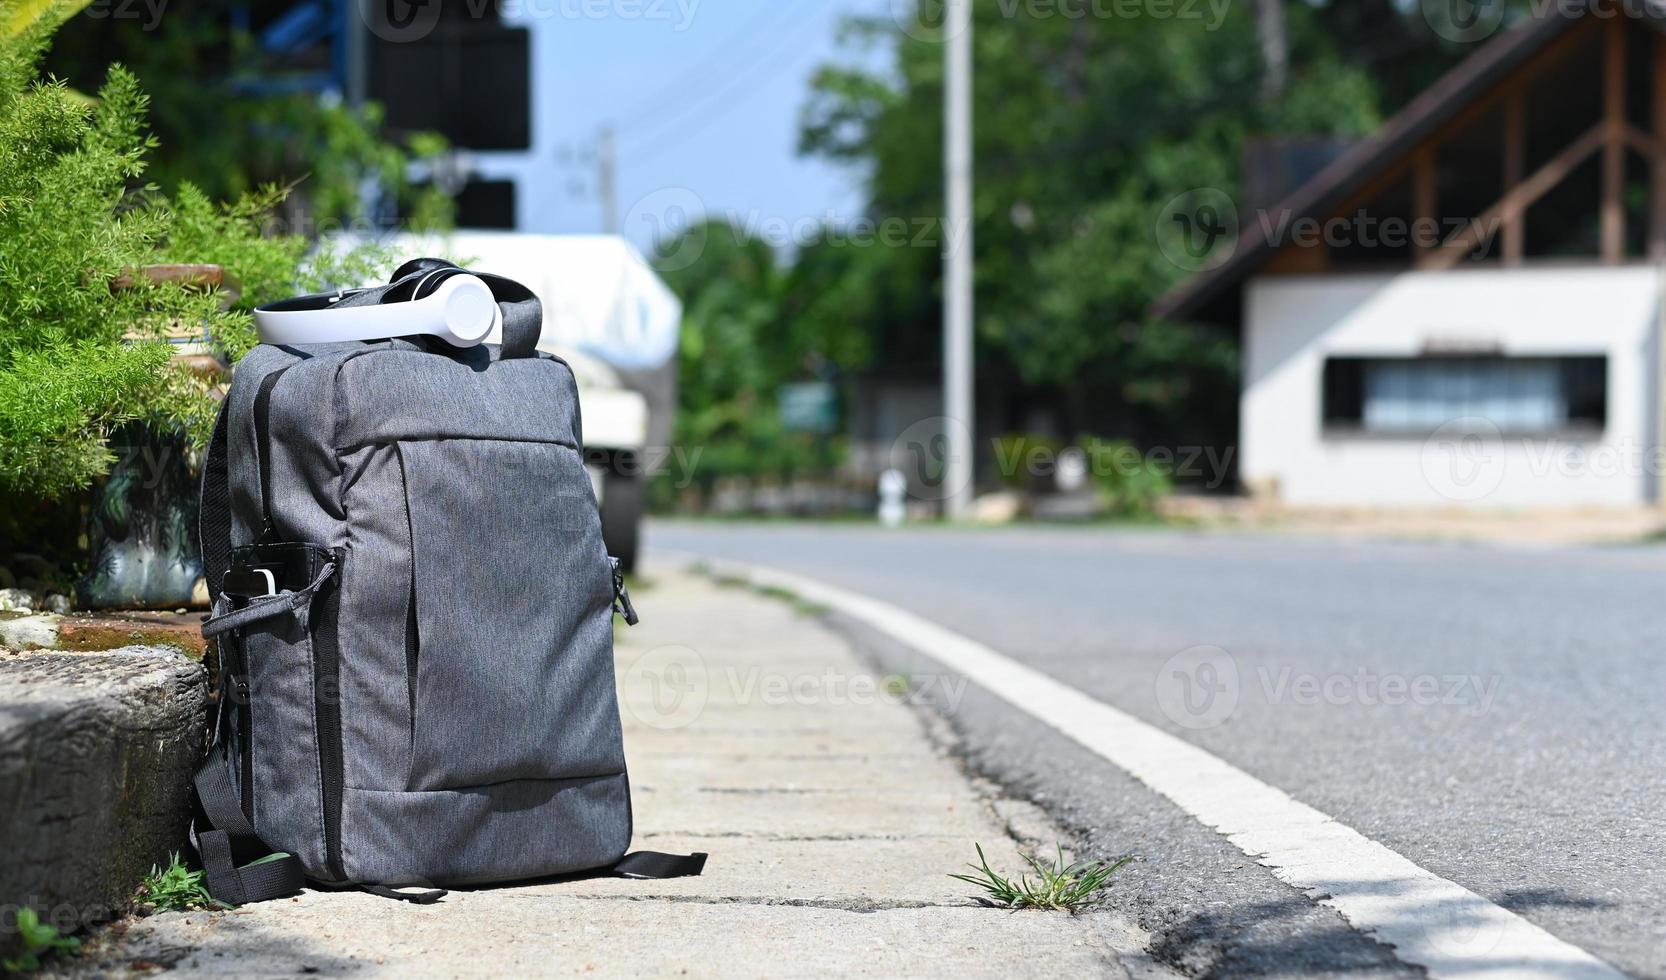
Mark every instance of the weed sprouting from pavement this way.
pixel 175 888
pixel 36 941
pixel 1059 887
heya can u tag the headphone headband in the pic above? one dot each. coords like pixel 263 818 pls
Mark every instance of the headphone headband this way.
pixel 429 297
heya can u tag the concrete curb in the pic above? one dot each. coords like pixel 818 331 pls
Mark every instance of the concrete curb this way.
pixel 96 756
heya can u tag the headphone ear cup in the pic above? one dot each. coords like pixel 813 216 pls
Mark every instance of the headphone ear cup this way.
pixel 423 266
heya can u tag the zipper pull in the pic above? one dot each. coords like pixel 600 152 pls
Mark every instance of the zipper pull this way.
pixel 622 596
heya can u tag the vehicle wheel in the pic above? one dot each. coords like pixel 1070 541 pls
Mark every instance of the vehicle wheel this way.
pixel 623 498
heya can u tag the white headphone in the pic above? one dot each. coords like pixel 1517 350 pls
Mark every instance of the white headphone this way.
pixel 446 302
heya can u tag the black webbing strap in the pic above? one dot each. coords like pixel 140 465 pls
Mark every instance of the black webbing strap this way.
pixel 214 510
pixel 238 867
pixel 652 864
pixel 427 897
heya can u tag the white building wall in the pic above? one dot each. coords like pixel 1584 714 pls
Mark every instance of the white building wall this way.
pixel 1292 324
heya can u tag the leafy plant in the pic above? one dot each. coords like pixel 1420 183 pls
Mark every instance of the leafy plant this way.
pixel 1130 485
pixel 1016 456
pixel 175 888
pixel 234 116
pixel 751 323
pixel 22 15
pixel 1058 886
pixel 39 940
pixel 83 333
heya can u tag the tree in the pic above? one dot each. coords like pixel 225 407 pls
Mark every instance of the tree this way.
pixel 753 321
pixel 229 122
pixel 1085 126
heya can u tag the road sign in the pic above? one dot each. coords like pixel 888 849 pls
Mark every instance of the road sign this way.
pixel 808 407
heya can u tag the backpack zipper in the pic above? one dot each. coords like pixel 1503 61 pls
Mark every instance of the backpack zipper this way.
pixel 622 595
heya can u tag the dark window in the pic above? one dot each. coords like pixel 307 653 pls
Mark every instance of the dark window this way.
pixel 1417 395
pixel 486 204
pixel 468 80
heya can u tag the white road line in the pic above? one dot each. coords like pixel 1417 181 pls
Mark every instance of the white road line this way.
pixel 1429 921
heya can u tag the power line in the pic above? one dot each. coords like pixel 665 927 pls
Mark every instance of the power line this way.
pixel 775 59
pixel 669 94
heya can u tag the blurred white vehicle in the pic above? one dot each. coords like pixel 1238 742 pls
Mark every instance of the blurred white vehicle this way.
pixel 606 313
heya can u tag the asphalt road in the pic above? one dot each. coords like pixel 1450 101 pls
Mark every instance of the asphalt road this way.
pixel 1496 716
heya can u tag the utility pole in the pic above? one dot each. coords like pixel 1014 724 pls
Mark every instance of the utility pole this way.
pixel 607 180
pixel 957 259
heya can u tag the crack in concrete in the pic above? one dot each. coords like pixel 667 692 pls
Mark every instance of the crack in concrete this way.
pixel 860 906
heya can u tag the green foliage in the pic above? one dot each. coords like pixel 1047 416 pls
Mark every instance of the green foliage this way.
pixel 38 940
pixel 751 324
pixel 1058 887
pixel 1084 128
pixel 77 355
pixel 19 16
pixel 228 124
pixel 1019 455
pixel 175 888
pixel 1130 484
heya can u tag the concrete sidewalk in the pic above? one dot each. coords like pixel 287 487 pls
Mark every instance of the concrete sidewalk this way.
pixel 755 734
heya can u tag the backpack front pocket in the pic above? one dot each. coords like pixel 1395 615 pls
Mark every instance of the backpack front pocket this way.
pixel 511 604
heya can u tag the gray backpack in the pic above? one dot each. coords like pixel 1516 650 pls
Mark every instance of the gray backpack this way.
pixel 414 613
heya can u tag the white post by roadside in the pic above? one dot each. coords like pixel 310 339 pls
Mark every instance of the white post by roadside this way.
pixel 957 259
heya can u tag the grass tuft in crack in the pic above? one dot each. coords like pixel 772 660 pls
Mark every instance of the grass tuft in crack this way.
pixel 175 888
pixel 36 940
pixel 1060 887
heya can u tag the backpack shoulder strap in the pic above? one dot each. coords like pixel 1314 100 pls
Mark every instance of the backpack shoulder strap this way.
pixel 214 510
pixel 653 864
pixel 224 837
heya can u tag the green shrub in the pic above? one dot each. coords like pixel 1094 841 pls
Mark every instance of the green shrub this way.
pixel 1026 460
pixel 78 357
pixel 1130 485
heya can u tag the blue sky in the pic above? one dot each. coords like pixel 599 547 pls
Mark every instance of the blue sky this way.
pixel 705 97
